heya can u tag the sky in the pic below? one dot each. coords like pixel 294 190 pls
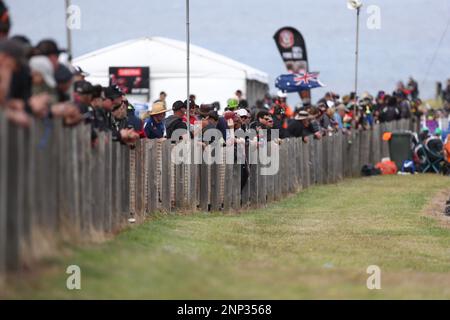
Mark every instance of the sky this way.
pixel 403 46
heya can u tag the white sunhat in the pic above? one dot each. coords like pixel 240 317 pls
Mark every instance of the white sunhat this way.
pixel 281 94
pixel 242 113
pixel 44 66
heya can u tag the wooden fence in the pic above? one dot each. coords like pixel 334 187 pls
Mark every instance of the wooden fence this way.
pixel 56 187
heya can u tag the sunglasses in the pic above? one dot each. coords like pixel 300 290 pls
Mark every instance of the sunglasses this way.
pixel 268 119
pixel 244 117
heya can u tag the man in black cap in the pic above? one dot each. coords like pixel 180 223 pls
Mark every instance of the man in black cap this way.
pixel 121 130
pixel 83 91
pixel 102 118
pixel 64 78
pixel 113 97
pixel 175 121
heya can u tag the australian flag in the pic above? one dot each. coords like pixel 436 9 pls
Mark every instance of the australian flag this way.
pixel 296 82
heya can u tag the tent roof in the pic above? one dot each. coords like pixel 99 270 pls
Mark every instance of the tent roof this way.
pixel 166 59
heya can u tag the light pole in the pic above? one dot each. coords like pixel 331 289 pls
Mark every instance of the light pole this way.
pixel 356 5
pixel 188 103
pixel 188 67
pixel 68 31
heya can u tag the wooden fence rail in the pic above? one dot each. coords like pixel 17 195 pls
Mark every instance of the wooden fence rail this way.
pixel 55 186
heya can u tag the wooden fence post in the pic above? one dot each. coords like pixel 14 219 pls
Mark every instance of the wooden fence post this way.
pixel 125 211
pixel 375 145
pixel 152 192
pixel 270 179
pixel 216 204
pixel 332 158
pixel 12 215
pixel 355 152
pixel 166 175
pixel 236 203
pixel 323 160
pixel 277 178
pixel 133 177
pixel 179 185
pixel 205 180
pixel 299 162
pixel 306 165
pixel 364 148
pixel 339 153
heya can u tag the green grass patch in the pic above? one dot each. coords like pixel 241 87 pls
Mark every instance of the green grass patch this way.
pixel 317 244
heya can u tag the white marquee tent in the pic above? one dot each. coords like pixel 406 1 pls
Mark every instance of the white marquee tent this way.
pixel 213 77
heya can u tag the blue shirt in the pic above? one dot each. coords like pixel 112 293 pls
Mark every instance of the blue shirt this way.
pixel 338 119
pixel 154 130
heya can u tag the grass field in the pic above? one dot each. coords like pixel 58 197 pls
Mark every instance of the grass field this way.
pixel 317 244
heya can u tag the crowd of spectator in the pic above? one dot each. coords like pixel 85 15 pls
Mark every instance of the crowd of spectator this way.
pixel 35 81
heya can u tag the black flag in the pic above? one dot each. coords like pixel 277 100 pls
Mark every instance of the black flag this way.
pixel 292 48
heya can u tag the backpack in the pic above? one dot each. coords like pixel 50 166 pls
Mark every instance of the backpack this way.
pixel 387 167
pixel 368 170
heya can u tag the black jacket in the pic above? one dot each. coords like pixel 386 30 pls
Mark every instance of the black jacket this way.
pixel 173 123
pixel 389 113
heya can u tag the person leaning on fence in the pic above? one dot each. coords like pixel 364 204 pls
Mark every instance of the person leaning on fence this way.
pixel 83 91
pixel 263 123
pixel 11 58
pixel 154 126
pixel 208 121
pixel 245 118
pixel 121 130
pixel 134 120
pixel 302 126
pixel 102 119
pixel 390 112
pixel 64 81
pixel 280 121
pixel 175 121
pixel 234 124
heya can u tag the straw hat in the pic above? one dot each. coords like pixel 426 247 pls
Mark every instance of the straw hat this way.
pixel 158 108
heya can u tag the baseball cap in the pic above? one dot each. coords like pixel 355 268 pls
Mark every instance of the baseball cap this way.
pixel 232 103
pixel 178 105
pixel 63 74
pixel 242 113
pixel 83 87
pixel 112 92
pixel 43 65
